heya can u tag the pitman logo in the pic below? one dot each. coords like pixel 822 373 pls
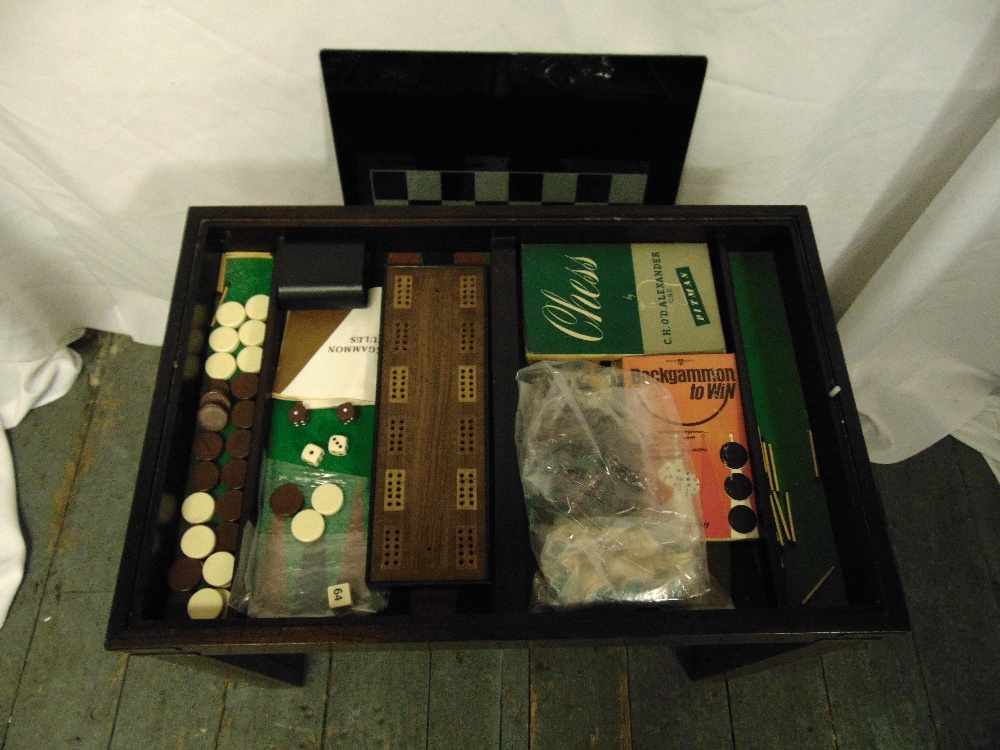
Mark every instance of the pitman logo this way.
pixel 693 297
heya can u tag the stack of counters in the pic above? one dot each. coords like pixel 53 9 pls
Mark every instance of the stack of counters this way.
pixel 244 386
pixel 224 339
pixel 198 507
pixel 286 500
pixel 256 307
pixel 249 358
pixel 230 314
pixel 218 569
pixel 251 333
pixel 198 542
pixel 327 498
pixel 213 508
pixel 237 340
pixel 185 574
pixel 226 536
pixel 308 525
pixel 220 366
pixel 208 446
pixel 207 604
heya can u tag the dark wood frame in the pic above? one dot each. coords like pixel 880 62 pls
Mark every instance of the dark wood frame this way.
pixel 500 613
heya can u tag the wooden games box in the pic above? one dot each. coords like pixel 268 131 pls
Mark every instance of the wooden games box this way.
pixel 835 579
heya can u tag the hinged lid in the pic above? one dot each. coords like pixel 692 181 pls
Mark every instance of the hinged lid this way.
pixel 451 128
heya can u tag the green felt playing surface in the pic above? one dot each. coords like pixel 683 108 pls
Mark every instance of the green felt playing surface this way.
pixel 246 276
pixel 287 441
pixel 784 425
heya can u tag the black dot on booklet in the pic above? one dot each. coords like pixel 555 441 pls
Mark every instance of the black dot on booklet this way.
pixel 742 519
pixel 737 486
pixel 733 455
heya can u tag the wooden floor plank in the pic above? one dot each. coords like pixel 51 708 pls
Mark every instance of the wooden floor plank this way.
pixel 781 707
pixel 168 704
pixel 669 710
pixel 983 493
pixel 465 698
pixel 90 544
pixel 377 699
pixel 515 699
pixel 70 689
pixel 944 516
pixel 579 698
pixel 273 717
pixel 949 589
pixel 877 696
pixel 46 447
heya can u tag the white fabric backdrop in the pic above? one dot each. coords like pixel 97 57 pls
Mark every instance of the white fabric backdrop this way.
pixel 24 386
pixel 117 116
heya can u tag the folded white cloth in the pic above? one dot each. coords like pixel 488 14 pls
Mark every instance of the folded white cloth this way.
pixel 983 432
pixel 23 386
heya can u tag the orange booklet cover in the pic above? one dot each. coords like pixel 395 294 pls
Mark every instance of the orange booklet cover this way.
pixel 706 394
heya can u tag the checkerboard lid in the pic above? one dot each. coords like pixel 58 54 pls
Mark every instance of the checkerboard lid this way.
pixel 472 128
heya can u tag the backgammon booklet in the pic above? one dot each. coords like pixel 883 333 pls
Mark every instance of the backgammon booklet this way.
pixel 706 394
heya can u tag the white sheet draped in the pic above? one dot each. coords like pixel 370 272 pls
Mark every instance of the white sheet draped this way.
pixel 877 114
pixel 921 338
pixel 23 386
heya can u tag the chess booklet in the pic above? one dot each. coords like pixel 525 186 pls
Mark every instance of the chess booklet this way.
pixel 604 301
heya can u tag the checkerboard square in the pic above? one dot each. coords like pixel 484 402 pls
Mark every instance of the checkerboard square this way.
pixel 525 187
pixel 388 185
pixel 491 187
pixel 423 185
pixel 458 186
pixel 593 188
pixel 559 187
pixel 628 188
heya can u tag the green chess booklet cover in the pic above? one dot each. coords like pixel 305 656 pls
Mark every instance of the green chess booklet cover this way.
pixel 605 301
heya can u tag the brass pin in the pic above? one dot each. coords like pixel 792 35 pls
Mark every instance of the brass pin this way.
pixel 767 463
pixel 776 501
pixel 774 469
pixel 221 281
pixel 821 582
pixel 225 293
pixel 812 447
pixel 791 521
pixel 777 525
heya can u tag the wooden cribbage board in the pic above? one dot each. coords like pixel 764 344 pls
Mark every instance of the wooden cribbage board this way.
pixel 430 484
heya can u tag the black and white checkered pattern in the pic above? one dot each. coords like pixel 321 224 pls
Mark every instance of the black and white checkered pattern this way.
pixel 425 187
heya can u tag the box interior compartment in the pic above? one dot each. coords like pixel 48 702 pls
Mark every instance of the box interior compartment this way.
pixel 766 580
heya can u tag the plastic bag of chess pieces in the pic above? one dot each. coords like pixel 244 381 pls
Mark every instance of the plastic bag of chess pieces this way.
pixel 308 552
pixel 614 515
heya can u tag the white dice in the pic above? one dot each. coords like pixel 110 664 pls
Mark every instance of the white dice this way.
pixel 674 474
pixel 339 595
pixel 338 445
pixel 312 454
